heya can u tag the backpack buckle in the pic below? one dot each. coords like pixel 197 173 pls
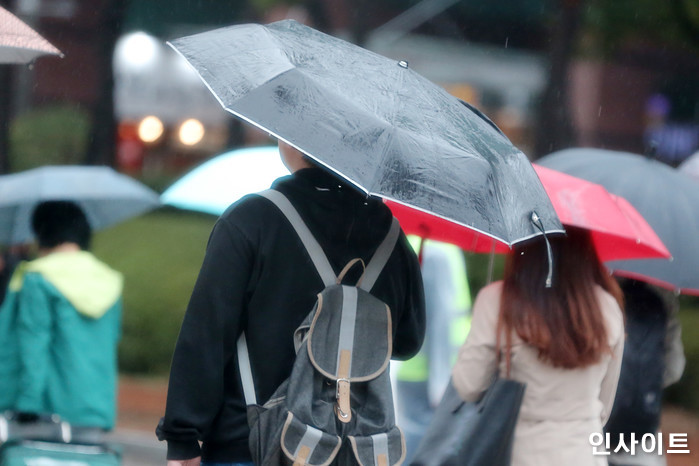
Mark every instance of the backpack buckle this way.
pixel 342 394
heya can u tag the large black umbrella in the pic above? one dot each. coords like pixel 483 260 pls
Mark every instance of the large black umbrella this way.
pixel 375 122
pixel 665 197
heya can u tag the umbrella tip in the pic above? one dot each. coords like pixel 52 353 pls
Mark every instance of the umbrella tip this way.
pixel 403 64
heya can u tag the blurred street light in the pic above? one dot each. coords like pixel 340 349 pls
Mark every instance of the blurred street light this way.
pixel 150 129
pixel 191 132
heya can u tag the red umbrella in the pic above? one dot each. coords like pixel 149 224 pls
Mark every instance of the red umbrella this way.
pixel 618 230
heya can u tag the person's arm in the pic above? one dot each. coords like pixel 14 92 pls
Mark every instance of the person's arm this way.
pixel 206 343
pixel 34 324
pixel 410 328
pixel 611 377
pixel 476 364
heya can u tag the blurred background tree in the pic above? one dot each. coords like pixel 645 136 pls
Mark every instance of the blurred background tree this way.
pixel 50 135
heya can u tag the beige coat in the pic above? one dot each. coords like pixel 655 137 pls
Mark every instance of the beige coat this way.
pixel 561 407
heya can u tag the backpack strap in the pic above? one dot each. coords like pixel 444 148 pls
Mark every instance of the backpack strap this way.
pixel 320 260
pixel 246 371
pixel 321 263
pixel 380 257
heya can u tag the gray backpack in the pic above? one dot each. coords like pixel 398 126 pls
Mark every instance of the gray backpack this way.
pixel 336 407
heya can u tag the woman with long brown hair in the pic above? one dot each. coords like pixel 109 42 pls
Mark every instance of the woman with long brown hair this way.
pixel 565 342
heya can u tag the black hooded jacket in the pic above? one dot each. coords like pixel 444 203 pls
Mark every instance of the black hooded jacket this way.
pixel 257 277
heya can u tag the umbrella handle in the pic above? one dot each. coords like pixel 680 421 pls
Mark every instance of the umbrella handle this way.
pixel 536 220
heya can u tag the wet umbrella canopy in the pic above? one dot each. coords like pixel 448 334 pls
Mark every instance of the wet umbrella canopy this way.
pixel 667 199
pixel 374 122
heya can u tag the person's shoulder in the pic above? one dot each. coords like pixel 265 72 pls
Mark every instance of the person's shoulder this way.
pixel 492 290
pixel 610 310
pixel 488 299
pixel 248 210
pixel 608 303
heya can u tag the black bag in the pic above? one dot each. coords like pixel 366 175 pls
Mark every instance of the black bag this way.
pixel 638 399
pixel 473 434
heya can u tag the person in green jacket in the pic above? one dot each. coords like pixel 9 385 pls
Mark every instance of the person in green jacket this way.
pixel 61 323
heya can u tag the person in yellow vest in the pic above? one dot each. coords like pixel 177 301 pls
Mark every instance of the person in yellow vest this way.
pixel 420 382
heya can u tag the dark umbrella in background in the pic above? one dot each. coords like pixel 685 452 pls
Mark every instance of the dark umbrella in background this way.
pixel 374 122
pixel 665 197
pixel 106 197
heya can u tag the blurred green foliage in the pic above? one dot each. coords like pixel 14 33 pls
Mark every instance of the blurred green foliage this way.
pixel 159 254
pixel 50 135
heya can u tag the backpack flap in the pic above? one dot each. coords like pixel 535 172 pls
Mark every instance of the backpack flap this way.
pixel 350 339
pixel 350 336
pixel 385 449
pixel 305 445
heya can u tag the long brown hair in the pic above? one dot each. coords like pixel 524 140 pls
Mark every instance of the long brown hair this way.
pixel 564 322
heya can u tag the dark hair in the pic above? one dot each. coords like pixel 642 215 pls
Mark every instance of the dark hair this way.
pixel 58 222
pixel 564 322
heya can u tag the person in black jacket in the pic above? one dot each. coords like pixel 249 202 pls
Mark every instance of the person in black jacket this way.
pixel 257 277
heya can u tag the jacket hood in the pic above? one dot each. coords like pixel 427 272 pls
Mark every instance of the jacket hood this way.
pixel 88 284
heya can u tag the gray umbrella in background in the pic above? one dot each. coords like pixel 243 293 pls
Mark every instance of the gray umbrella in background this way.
pixel 665 197
pixel 106 196
pixel 19 43
pixel 374 122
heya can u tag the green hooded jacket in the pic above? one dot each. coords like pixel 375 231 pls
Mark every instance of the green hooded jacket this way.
pixel 60 325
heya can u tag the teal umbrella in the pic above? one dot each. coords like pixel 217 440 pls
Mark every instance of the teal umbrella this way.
pixel 106 196
pixel 222 180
